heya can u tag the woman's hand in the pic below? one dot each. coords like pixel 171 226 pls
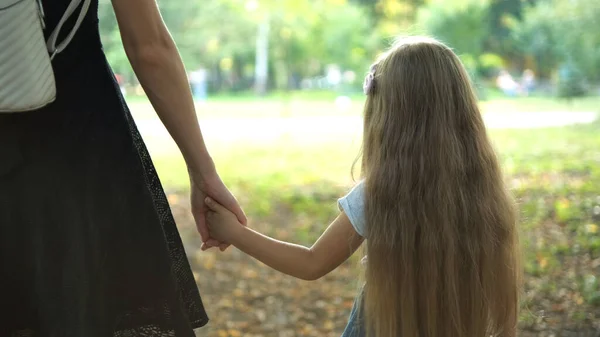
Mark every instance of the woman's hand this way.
pixel 222 224
pixel 210 185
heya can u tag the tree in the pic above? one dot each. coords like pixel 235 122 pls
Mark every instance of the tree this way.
pixel 501 14
pixel 462 24
pixel 562 33
pixel 536 37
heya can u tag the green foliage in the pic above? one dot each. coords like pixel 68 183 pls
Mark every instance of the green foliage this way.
pixel 305 36
pixel 535 36
pixel 329 33
pixel 452 24
pixel 558 31
pixel 353 43
pixel 220 35
pixel 501 11
pixel 571 81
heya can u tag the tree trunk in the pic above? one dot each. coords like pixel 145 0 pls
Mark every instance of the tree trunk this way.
pixel 262 58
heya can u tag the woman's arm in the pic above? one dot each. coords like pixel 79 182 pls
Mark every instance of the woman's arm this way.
pixel 157 64
pixel 335 245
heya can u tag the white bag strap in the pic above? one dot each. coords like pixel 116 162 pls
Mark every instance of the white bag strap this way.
pixel 53 48
pixel 41 13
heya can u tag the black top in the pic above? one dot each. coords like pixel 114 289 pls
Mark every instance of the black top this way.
pixel 88 244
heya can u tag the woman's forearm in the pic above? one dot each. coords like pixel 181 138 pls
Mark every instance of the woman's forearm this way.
pixel 288 258
pixel 162 75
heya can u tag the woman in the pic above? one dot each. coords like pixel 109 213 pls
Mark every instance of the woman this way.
pixel 88 245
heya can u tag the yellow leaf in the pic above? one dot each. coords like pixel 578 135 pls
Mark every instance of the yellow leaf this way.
pixel 225 303
pixel 564 203
pixel 238 292
pixel 543 261
pixel 348 304
pixel 592 228
pixel 250 273
pixel 235 333
pixel 226 63
pixel 329 325
pixel 223 333
pixel 199 256
pixel 209 261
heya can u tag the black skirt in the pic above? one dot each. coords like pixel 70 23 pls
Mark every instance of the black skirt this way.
pixel 88 244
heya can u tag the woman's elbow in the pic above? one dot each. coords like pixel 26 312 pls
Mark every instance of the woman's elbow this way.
pixel 152 54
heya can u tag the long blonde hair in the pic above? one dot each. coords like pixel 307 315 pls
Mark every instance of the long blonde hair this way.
pixel 441 233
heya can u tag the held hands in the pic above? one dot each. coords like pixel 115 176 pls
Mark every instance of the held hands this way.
pixel 223 225
pixel 210 185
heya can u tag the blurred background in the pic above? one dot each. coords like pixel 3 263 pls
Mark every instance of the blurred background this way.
pixel 278 90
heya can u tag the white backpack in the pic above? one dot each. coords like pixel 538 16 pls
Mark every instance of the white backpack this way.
pixel 26 75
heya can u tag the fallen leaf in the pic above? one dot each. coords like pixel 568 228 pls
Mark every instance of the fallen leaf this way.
pixel 209 261
pixel 329 325
pixel 543 262
pixel 235 333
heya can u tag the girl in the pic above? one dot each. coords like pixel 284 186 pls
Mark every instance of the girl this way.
pixel 439 224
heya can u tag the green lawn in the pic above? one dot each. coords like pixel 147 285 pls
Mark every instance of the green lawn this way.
pixel 540 104
pixel 321 103
pixel 289 161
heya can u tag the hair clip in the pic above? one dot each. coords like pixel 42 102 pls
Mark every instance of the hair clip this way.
pixel 369 83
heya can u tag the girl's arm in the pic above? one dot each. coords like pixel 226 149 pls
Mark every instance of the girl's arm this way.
pixel 335 245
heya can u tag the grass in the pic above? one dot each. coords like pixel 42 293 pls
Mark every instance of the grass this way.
pixel 296 163
pixel 301 103
pixel 499 104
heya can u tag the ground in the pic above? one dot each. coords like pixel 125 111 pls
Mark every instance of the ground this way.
pixel 287 160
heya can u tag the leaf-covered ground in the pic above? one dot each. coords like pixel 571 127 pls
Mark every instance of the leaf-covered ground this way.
pixel 245 298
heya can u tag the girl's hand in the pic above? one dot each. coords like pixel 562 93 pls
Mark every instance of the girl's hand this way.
pixel 223 225
pixel 210 185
